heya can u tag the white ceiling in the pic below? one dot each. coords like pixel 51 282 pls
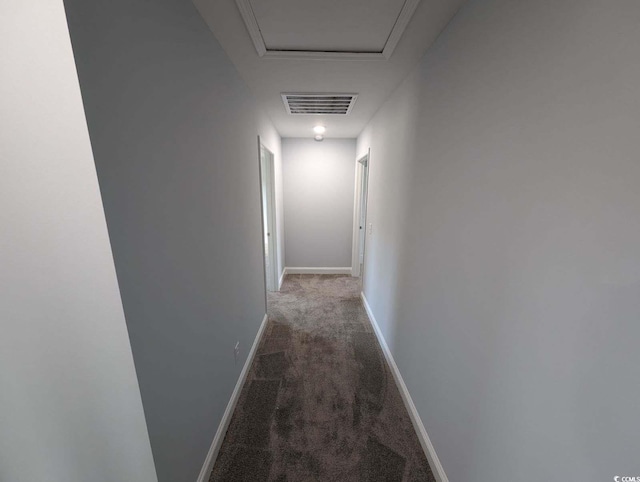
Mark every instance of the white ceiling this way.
pixel 328 25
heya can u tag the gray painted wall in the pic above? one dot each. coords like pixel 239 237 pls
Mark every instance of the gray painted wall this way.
pixel 70 407
pixel 504 266
pixel 319 182
pixel 174 133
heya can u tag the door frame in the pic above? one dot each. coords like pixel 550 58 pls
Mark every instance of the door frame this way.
pixel 270 230
pixel 355 249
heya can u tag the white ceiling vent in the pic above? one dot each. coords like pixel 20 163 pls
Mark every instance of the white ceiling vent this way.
pixel 319 104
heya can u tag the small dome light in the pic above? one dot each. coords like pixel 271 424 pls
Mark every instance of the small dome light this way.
pixel 319 137
pixel 319 129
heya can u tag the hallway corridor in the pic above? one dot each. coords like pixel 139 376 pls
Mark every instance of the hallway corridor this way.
pixel 320 403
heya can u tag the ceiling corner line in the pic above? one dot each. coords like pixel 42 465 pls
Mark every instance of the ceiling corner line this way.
pixel 250 21
pixel 404 17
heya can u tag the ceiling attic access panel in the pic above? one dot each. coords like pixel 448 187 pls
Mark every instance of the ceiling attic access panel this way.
pixel 329 30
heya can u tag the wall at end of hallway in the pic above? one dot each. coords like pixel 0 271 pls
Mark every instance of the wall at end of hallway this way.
pixel 319 182
pixel 504 268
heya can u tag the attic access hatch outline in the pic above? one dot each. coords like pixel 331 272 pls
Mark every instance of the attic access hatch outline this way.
pixel 249 17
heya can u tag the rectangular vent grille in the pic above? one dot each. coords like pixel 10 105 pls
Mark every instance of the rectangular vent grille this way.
pixel 319 104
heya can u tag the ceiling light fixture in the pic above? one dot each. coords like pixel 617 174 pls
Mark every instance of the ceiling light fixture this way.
pixel 319 129
pixel 319 137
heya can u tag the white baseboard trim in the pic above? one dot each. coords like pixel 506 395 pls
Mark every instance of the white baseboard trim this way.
pixel 346 270
pixel 284 273
pixel 427 446
pixel 228 413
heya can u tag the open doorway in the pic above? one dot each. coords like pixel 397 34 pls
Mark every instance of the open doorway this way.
pixel 268 203
pixel 360 216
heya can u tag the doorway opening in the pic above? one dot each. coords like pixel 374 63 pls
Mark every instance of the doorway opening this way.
pixel 268 203
pixel 360 216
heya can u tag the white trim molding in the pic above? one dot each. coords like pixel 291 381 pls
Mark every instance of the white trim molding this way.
pixel 284 273
pixel 345 270
pixel 205 472
pixel 249 17
pixel 427 446
pixel 252 26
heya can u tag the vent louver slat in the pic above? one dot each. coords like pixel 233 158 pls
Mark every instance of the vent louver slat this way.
pixel 313 104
